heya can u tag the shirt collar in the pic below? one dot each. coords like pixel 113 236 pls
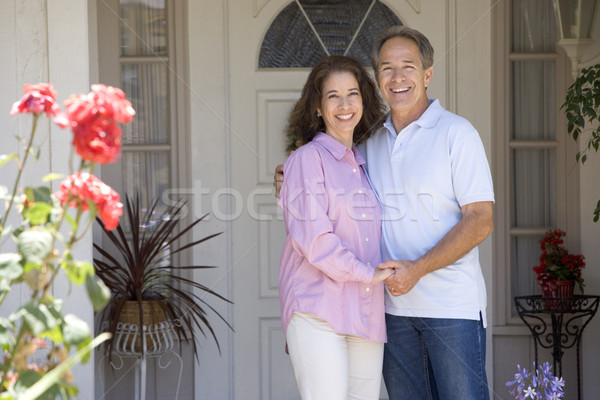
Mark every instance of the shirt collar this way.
pixel 427 120
pixel 337 149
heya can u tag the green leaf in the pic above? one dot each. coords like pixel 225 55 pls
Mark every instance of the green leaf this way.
pixel 10 267
pixel 4 158
pixel 35 245
pixel 54 306
pixel 589 111
pixel 52 177
pixel 98 293
pixel 78 271
pixel 75 330
pixel 71 221
pixel 6 231
pixel 26 380
pixel 38 213
pixel 37 319
pixel 32 266
pixel 4 286
pixel 53 376
pixel 40 193
pixel 6 333
pixel 54 334
pixel 35 153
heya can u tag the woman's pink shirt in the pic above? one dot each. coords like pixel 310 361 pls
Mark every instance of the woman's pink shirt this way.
pixel 333 224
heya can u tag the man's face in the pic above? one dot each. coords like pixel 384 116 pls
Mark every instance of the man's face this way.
pixel 401 77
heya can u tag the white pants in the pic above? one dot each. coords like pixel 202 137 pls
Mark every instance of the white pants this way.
pixel 332 366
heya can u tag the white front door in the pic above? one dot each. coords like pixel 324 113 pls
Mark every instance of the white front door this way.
pixel 260 103
pixel 260 100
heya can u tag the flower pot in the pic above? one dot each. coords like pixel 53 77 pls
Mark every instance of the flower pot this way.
pixel 155 328
pixel 558 295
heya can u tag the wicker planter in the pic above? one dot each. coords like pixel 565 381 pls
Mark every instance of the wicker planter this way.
pixel 157 331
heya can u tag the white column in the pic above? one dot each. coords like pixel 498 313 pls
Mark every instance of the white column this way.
pixel 68 56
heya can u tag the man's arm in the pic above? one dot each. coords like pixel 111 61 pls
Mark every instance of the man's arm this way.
pixel 476 224
pixel 278 179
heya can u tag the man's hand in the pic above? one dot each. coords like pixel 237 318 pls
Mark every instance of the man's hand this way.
pixel 405 277
pixel 278 179
pixel 476 224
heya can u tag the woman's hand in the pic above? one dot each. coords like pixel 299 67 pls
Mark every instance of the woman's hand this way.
pixel 381 275
pixel 405 276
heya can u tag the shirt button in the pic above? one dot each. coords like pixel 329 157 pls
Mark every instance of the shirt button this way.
pixel 360 191
pixel 364 215
pixel 366 239
pixel 368 264
pixel 353 169
pixel 368 289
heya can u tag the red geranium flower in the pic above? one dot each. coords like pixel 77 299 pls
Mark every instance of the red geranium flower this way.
pixel 556 263
pixel 93 119
pixel 112 104
pixel 38 98
pixel 82 187
pixel 105 102
pixel 98 141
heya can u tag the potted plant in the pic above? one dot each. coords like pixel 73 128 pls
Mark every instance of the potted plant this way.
pixel 559 270
pixel 140 275
pixel 582 107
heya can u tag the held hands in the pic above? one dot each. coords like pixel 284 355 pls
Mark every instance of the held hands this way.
pixel 405 275
pixel 399 275
pixel 381 275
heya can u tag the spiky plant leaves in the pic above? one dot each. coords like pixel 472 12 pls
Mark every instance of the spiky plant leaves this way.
pixel 137 270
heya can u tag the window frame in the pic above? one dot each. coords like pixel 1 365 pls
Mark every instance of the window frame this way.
pixel 567 170
pixel 110 63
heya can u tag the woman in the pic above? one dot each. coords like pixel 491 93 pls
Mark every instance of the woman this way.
pixel 332 299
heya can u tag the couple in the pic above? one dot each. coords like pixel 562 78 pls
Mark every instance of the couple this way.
pixel 428 170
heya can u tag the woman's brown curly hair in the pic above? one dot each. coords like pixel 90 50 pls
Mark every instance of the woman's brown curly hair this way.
pixel 304 124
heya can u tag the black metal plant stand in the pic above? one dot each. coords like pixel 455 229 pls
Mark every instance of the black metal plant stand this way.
pixel 568 318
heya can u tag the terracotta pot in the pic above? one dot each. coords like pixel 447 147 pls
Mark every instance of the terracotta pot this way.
pixel 562 292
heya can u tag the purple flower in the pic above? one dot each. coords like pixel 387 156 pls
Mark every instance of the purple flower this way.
pixel 530 392
pixel 540 384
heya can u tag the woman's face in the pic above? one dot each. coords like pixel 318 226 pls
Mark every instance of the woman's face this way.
pixel 341 106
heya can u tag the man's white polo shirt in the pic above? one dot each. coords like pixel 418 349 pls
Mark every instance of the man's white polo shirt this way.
pixel 423 176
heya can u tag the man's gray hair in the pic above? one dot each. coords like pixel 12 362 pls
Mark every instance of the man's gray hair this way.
pixel 400 31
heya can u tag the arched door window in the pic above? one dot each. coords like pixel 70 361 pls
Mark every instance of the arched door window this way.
pixel 307 30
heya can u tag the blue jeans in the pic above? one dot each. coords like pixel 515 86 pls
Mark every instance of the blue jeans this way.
pixel 435 359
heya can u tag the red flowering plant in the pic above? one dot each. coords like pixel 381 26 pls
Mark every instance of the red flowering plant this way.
pixel 41 246
pixel 556 263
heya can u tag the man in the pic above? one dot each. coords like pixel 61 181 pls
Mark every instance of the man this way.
pixel 430 172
